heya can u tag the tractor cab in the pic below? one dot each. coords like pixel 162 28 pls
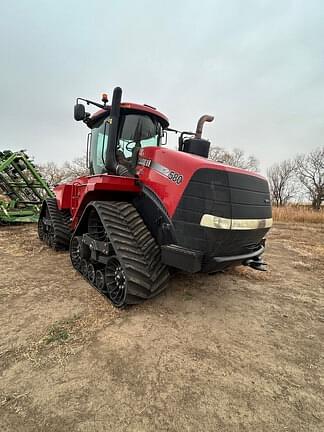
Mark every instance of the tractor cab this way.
pixel 118 132
pixel 136 131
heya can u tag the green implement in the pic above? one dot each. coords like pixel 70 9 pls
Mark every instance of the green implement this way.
pixel 22 188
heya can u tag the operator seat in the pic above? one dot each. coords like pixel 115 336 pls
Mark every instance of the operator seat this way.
pixel 134 157
pixel 121 159
pixel 130 162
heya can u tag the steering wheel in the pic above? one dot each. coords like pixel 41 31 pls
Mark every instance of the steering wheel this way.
pixel 128 147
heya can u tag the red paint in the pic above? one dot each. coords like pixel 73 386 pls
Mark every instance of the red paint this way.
pixel 77 194
pixel 63 195
pixel 138 107
pixel 182 163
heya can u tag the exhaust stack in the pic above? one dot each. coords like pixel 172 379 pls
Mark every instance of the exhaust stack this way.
pixel 200 124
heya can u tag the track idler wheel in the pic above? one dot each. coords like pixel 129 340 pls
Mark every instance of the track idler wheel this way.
pixel 116 281
pixel 75 252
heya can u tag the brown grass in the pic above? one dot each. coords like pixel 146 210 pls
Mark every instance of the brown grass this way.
pixel 297 213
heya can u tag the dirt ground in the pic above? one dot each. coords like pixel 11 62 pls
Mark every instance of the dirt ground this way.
pixel 239 351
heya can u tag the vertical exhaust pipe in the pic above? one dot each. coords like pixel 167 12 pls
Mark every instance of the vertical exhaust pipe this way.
pixel 200 124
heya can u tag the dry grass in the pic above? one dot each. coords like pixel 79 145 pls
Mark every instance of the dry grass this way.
pixel 296 213
pixel 68 358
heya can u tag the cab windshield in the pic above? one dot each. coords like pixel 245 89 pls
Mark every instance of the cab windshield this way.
pixel 136 131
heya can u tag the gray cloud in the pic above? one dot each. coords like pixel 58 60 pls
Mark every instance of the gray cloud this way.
pixel 256 65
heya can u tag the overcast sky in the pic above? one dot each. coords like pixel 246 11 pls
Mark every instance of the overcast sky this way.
pixel 257 66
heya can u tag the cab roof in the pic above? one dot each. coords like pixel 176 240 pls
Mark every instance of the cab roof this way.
pixel 132 107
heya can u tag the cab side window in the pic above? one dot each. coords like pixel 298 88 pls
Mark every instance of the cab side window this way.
pixel 99 142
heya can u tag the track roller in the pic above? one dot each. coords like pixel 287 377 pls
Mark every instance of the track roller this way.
pixel 91 273
pixel 84 267
pixel 100 280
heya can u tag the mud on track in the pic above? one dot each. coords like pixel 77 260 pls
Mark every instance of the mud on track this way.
pixel 239 351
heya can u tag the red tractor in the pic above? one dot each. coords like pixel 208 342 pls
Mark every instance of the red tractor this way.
pixel 146 209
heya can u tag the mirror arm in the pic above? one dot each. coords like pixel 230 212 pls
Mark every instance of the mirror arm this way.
pixel 172 130
pixel 88 102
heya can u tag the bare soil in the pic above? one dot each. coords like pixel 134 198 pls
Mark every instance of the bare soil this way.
pixel 238 351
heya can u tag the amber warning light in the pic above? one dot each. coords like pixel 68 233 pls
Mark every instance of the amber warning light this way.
pixel 104 98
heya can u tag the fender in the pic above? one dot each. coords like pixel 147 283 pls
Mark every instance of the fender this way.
pixel 155 216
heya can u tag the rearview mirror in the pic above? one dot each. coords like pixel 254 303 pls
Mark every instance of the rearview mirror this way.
pixel 79 112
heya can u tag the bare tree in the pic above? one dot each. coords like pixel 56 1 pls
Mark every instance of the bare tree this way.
pixel 235 158
pixel 76 168
pixel 310 171
pixel 55 174
pixel 52 173
pixel 281 182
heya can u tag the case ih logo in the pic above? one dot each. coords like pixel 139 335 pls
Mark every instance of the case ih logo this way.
pixel 144 162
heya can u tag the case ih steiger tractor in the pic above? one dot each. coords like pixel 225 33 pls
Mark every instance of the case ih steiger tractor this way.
pixel 146 209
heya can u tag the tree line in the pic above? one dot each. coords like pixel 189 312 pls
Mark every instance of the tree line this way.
pixel 291 180
pixel 300 176
pixel 54 173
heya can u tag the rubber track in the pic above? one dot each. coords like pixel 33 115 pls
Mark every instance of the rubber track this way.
pixel 136 249
pixel 62 233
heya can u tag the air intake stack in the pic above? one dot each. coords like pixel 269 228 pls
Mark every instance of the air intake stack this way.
pixel 197 145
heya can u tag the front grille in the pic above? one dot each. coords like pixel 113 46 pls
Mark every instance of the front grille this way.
pixel 227 195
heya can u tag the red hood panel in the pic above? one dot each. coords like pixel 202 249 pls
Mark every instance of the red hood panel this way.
pixel 167 172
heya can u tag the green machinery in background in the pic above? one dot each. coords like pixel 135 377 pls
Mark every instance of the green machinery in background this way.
pixel 22 188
